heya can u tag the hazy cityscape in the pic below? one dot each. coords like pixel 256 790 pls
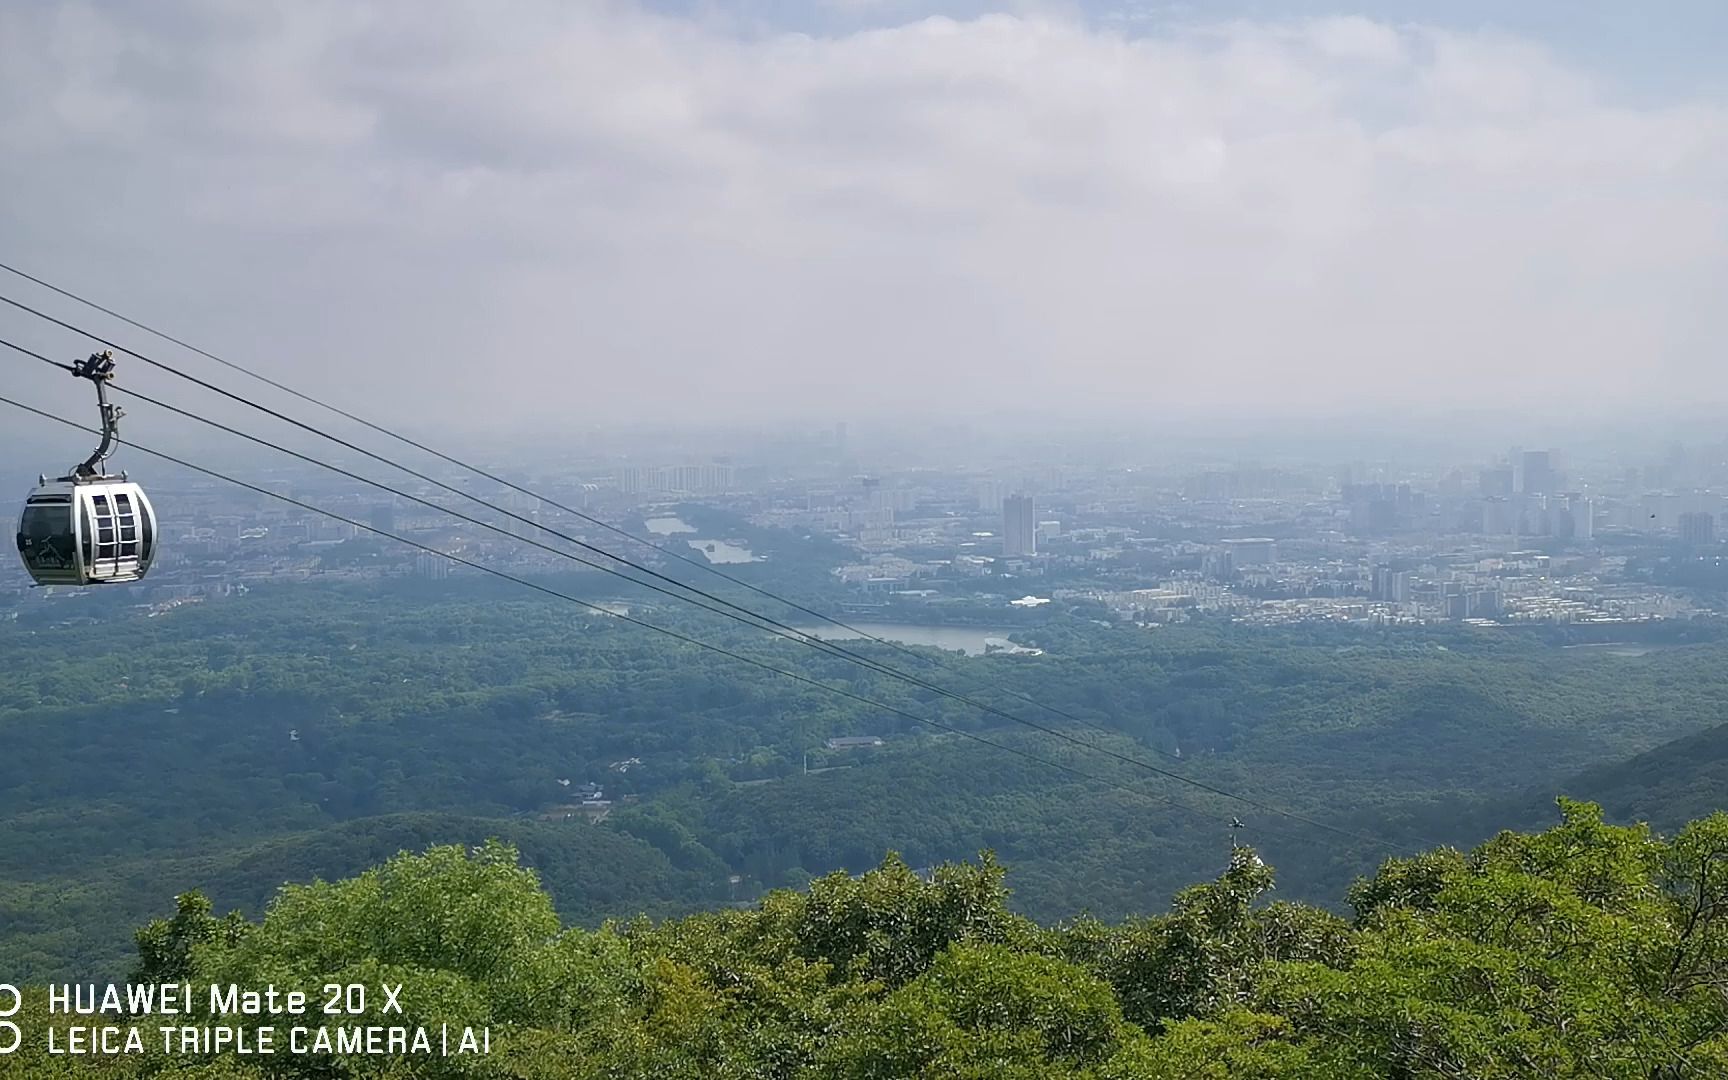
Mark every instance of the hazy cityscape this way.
pixel 864 540
pixel 1519 536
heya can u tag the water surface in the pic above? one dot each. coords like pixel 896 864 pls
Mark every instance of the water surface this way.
pixel 967 639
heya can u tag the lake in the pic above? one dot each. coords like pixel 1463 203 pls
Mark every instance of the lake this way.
pixel 1624 648
pixel 967 639
pixel 719 551
pixel 666 526
pixel 722 551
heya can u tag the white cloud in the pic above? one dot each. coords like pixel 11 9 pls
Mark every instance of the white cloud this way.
pixel 1004 210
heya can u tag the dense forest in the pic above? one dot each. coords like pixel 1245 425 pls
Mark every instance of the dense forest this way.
pixel 1587 950
pixel 313 730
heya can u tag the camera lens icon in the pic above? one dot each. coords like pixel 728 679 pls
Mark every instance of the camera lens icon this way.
pixel 10 1002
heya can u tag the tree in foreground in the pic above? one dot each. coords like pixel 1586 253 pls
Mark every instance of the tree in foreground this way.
pixel 1588 950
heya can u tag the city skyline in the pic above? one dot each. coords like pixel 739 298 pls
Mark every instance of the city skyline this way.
pixel 1524 534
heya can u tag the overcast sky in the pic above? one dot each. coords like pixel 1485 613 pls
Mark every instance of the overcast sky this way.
pixel 499 214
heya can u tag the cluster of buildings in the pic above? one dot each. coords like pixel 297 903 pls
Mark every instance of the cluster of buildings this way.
pixel 1526 536
pixel 1526 542
pixel 663 480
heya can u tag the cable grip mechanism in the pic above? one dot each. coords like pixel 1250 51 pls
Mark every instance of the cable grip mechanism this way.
pixel 99 369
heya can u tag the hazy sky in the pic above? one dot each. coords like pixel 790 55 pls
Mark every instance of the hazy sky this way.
pixel 498 214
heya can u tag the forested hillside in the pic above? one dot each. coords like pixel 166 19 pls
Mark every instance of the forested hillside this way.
pixel 74 921
pixel 1585 951
pixel 311 730
pixel 1673 783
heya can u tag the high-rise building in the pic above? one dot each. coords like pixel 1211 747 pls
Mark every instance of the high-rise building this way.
pixel 990 495
pixel 1454 600
pixel 1499 516
pixel 522 525
pixel 1019 526
pixel 1392 586
pixel 1573 517
pixel 1697 529
pixel 676 479
pixel 1484 603
pixel 1495 482
pixel 1535 473
pixel 1253 551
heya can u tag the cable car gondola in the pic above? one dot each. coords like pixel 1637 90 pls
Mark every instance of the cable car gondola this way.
pixel 89 528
